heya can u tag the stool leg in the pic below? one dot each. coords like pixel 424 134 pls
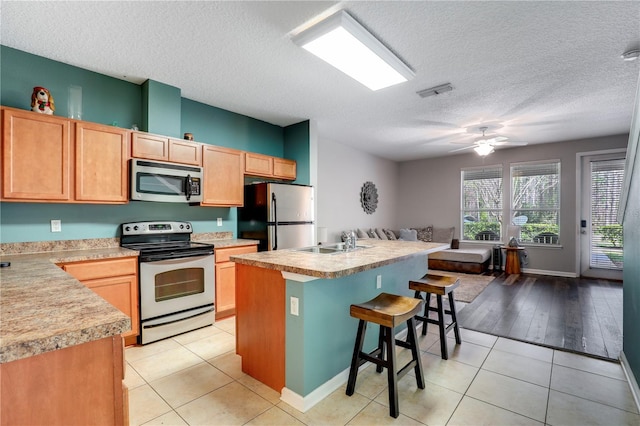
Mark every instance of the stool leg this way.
pixel 452 308
pixel 441 326
pixel 412 339
pixel 381 347
pixel 355 360
pixel 427 301
pixel 392 376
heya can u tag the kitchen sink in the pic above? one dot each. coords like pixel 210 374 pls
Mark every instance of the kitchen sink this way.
pixel 330 249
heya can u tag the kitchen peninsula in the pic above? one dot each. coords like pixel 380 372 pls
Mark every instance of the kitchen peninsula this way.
pixel 293 328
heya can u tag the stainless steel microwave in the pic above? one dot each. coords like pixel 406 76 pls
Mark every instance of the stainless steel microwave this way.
pixel 165 182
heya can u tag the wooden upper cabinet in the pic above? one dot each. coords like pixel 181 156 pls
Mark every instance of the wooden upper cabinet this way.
pixel 101 163
pixel 268 166
pixel 151 147
pixel 162 148
pixel 284 169
pixel 36 156
pixel 185 152
pixel 258 164
pixel 223 175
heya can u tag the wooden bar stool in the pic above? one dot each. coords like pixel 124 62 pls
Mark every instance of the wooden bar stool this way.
pixel 439 285
pixel 388 311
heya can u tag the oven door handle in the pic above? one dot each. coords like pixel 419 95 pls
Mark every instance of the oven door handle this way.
pixel 178 320
pixel 173 258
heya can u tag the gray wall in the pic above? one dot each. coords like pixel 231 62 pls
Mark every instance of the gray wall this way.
pixel 341 173
pixel 429 192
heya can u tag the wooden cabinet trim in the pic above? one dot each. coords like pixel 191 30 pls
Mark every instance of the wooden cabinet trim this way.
pixel 223 254
pixel 185 152
pixel 149 146
pixel 93 269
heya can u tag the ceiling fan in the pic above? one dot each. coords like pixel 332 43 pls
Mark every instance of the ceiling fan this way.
pixel 485 145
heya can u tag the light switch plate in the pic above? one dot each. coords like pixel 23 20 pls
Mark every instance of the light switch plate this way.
pixel 56 225
pixel 294 306
pixel 379 281
pixel 219 221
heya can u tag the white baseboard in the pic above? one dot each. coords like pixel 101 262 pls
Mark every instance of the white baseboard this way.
pixel 304 403
pixel 552 273
pixel 631 379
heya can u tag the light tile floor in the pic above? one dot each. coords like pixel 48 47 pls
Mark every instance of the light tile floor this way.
pixel 196 379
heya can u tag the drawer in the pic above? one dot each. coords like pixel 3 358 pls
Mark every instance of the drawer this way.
pixel 102 268
pixel 223 254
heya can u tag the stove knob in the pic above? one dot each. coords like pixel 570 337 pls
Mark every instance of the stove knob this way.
pixel 135 228
pixel 181 226
pixel 188 227
pixel 127 228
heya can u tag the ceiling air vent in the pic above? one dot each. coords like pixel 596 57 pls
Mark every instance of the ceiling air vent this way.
pixel 443 88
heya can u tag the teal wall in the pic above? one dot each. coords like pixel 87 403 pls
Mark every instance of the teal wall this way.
pixel 217 126
pixel 297 147
pixel 111 101
pixel 315 351
pixel 105 100
pixel 631 273
pixel 161 109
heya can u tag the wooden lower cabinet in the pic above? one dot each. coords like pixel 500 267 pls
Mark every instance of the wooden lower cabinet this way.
pixel 116 280
pixel 225 302
pixel 77 385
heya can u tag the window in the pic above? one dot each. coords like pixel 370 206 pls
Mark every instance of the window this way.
pixel 535 201
pixel 482 203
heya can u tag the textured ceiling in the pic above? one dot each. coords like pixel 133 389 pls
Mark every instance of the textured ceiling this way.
pixel 539 72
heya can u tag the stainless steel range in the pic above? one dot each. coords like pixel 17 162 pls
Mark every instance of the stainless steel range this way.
pixel 177 278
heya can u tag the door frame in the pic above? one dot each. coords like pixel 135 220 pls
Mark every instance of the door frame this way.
pixel 580 174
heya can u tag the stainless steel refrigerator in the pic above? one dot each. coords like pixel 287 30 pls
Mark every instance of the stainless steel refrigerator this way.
pixel 280 215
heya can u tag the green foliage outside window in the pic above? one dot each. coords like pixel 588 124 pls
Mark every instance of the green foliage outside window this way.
pixel 611 234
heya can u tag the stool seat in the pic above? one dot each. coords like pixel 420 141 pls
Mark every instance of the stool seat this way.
pixel 388 311
pixel 440 285
pixel 435 284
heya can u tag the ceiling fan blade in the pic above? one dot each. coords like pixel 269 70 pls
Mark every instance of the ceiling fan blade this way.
pixel 509 144
pixel 463 149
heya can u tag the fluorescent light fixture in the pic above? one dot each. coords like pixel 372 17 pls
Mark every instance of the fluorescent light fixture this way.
pixel 342 42
pixel 443 88
pixel 483 149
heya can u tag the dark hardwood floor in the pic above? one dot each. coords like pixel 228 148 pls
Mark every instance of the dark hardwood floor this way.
pixel 580 315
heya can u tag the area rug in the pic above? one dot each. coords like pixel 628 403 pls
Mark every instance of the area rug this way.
pixel 471 285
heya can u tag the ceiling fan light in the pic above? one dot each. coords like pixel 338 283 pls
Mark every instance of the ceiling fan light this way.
pixel 630 55
pixel 483 149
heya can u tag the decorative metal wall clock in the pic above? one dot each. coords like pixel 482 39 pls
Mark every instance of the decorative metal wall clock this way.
pixel 369 197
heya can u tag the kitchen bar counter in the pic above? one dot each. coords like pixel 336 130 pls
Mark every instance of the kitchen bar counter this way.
pixel 293 328
pixel 336 265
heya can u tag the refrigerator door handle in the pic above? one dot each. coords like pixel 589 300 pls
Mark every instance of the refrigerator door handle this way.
pixel 275 221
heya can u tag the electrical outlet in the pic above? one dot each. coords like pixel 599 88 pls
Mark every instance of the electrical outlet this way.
pixel 56 225
pixel 379 281
pixel 219 221
pixel 294 306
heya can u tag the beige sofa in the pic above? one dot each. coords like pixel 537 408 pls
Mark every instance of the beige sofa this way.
pixel 467 260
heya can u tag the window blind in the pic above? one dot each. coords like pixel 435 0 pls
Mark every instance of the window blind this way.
pixel 535 189
pixel 607 177
pixel 482 203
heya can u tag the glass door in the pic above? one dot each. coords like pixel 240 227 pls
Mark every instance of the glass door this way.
pixel 601 235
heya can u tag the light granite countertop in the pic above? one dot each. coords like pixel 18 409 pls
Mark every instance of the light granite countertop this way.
pixel 338 265
pixel 42 308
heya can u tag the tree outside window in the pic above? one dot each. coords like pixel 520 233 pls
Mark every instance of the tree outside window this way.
pixel 482 203
pixel 535 201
